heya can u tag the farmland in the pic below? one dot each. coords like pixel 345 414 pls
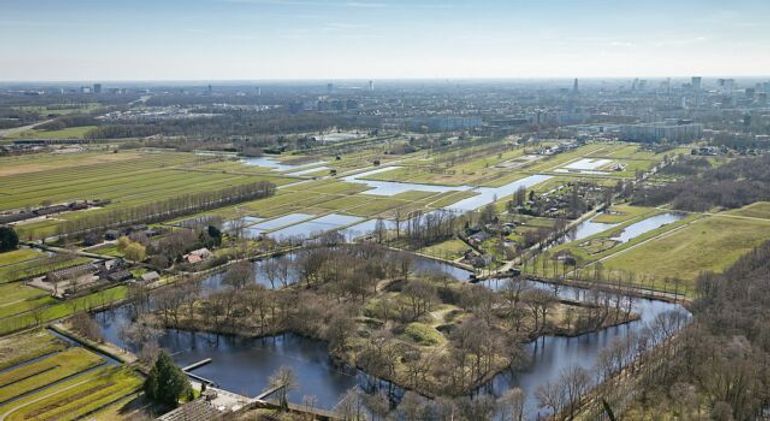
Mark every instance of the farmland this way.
pixel 26 378
pixel 62 383
pixel 137 180
pixel 16 349
pixel 49 311
pixel 133 180
pixel 25 263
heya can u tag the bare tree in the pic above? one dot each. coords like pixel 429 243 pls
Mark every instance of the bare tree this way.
pixel 285 381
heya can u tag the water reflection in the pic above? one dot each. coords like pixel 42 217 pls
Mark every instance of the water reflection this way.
pixel 654 222
pixel 244 365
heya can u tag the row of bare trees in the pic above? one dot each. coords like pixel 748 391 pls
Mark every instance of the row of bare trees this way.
pixel 162 210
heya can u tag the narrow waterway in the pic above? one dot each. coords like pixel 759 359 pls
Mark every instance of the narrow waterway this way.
pixel 244 365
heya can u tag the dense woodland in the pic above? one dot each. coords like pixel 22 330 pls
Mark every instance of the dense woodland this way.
pixel 732 185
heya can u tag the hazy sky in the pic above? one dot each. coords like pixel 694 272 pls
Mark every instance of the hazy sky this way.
pixel 296 39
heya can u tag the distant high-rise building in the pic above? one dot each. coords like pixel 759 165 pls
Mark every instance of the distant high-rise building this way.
pixel 330 88
pixel 696 83
pixel 259 91
pixel 726 86
pixel 97 88
pixel 575 86
pixel 85 89
pixel 210 90
pixel 371 85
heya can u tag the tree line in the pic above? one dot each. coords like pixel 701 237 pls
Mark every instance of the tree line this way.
pixel 167 209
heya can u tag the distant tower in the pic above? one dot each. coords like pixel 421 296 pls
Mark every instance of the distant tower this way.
pixel 330 88
pixel 371 86
pixel 575 86
pixel 97 88
pixel 209 89
pixel 696 83
pixel 259 91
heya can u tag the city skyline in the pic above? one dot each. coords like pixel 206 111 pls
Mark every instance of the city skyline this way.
pixel 84 40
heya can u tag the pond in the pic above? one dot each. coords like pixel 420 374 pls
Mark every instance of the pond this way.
pixel 282 221
pixel 484 195
pixel 243 365
pixel 654 222
pixel 487 195
pixel 316 226
pixel 585 229
pixel 392 188
pixel 272 163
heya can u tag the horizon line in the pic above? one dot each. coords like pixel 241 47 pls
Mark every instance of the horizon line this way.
pixel 387 79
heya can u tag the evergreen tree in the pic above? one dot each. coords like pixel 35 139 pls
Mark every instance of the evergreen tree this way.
pixel 166 382
pixel 8 239
pixel 216 235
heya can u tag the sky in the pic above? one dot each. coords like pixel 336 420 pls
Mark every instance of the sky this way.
pixel 105 40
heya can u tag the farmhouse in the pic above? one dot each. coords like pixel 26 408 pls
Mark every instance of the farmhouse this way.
pixel 196 256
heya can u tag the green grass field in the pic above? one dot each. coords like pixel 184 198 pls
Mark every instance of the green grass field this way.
pixel 128 179
pixel 61 309
pixel 754 210
pixel 450 249
pixel 68 133
pixel 16 349
pixel 622 213
pixel 17 298
pixel 35 265
pixel 148 178
pixel 15 257
pixel 710 244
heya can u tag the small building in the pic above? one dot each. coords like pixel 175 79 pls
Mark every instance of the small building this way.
pixel 150 277
pixel 197 410
pixel 151 232
pixel 111 235
pixel 478 237
pixel 113 264
pixel 119 276
pixel 71 273
pixel 197 256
